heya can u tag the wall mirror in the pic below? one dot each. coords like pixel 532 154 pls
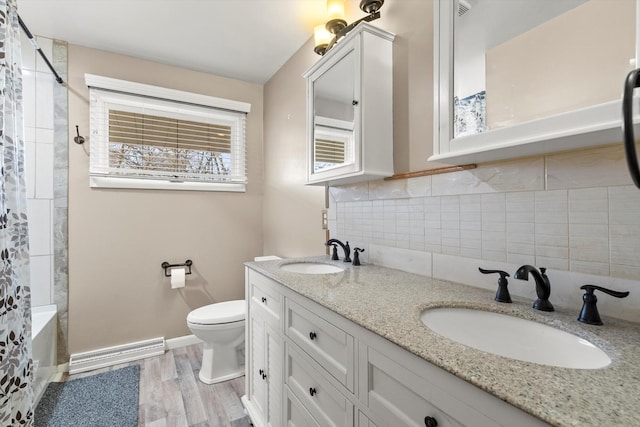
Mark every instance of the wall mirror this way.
pixel 334 116
pixel 525 77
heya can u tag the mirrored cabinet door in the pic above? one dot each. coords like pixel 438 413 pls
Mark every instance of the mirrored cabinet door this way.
pixel 526 77
pixel 349 110
pixel 334 106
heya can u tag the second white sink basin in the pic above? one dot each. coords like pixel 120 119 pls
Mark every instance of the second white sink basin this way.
pixel 311 268
pixel 515 338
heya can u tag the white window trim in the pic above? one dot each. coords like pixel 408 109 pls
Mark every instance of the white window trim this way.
pixel 140 89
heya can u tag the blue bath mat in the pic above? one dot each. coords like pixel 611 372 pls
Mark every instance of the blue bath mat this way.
pixel 103 400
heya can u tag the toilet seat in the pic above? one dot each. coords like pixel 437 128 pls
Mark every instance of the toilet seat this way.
pixel 222 312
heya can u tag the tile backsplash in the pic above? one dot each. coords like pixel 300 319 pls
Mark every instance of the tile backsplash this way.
pixel 508 213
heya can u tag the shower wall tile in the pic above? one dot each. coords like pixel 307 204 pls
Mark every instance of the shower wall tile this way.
pixel 41 280
pixel 44 100
pixel 30 169
pixel 29 99
pixel 28 53
pixel 46 45
pixel 39 214
pixel 44 171
pixel 44 136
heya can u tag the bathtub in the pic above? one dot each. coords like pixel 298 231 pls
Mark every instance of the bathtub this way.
pixel 44 331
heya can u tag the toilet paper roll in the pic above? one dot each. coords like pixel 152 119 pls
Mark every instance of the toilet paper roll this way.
pixel 177 278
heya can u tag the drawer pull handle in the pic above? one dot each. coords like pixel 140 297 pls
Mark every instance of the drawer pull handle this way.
pixel 312 336
pixel 312 391
pixel 430 422
pixel 261 372
pixel 264 300
pixel 264 376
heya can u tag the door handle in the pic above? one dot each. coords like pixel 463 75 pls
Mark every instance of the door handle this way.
pixel 631 82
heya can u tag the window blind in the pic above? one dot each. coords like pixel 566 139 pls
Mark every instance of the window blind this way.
pixel 141 137
pixel 329 151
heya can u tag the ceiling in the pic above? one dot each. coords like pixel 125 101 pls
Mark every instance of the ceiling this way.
pixel 243 39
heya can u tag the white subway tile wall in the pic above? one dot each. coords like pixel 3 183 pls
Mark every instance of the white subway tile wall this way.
pixel 38 104
pixel 502 214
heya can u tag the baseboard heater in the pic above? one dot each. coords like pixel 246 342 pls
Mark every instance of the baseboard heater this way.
pixel 109 356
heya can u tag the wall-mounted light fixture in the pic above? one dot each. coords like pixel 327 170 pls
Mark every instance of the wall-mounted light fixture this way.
pixel 327 35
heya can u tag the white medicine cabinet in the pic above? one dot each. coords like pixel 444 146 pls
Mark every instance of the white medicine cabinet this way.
pixel 523 77
pixel 350 111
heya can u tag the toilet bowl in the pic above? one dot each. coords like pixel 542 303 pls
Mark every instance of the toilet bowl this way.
pixel 221 327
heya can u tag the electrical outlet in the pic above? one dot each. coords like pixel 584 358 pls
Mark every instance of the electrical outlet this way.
pixel 325 219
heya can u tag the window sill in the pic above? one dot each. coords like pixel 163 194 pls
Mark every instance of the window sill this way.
pixel 150 184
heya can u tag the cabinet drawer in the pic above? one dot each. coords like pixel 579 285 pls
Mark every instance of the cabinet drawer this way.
pixel 297 415
pixel 399 397
pixel 323 401
pixel 329 345
pixel 266 298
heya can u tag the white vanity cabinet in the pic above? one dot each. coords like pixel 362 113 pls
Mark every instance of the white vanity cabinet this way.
pixel 512 80
pixel 350 109
pixel 336 373
pixel 264 352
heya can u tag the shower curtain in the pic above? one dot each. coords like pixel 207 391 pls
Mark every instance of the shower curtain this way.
pixel 16 370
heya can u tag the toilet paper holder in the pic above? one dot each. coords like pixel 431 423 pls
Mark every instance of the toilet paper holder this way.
pixel 167 266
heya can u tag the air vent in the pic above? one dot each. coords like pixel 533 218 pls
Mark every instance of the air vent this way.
pixel 463 7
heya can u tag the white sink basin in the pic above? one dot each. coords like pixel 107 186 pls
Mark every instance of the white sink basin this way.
pixel 515 338
pixel 311 268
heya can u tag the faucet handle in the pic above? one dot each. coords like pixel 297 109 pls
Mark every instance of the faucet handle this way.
pixel 502 294
pixel 589 313
pixel 356 255
pixel 334 256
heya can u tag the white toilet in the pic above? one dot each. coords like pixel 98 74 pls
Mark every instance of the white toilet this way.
pixel 221 327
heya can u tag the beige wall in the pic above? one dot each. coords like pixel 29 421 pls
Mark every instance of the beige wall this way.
pixel 561 65
pixel 119 238
pixel 291 209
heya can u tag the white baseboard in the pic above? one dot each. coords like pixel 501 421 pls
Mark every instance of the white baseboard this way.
pixel 184 341
pixel 109 356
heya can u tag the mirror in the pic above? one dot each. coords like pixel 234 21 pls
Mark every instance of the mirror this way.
pixel 521 60
pixel 334 115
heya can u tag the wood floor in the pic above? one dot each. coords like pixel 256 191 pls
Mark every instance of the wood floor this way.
pixel 171 395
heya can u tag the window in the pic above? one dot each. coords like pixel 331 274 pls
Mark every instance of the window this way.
pixel 149 137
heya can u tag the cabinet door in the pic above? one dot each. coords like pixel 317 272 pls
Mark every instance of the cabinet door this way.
pixel 265 378
pixel 256 377
pixel 275 369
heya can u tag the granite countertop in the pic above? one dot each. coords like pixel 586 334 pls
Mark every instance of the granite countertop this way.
pixel 389 302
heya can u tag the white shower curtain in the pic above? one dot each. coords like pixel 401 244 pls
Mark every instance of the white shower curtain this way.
pixel 16 368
